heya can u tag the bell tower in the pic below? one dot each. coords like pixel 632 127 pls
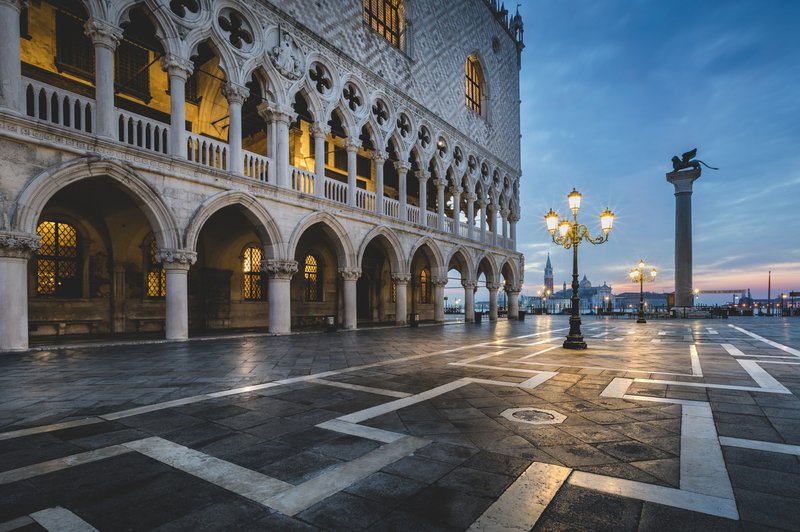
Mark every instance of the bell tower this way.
pixel 548 275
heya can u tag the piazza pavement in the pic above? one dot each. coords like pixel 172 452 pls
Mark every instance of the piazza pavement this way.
pixel 669 425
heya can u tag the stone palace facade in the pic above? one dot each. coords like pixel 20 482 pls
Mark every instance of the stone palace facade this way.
pixel 184 165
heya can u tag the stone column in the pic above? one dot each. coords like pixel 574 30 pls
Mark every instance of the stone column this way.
pixel 441 184
pixel 350 277
pixel 378 159
pixel 504 221
pixel 513 219
pixel 177 263
pixel 683 181
pixel 236 95
pixel 320 132
pixel 15 250
pixel 482 204
pixel 279 275
pixel 493 222
pixel 423 177
pixel 401 281
pixel 402 197
pixel 469 300
pixel 105 37
pixel 10 70
pixel 513 302
pixel 438 298
pixel 351 146
pixel 281 118
pixel 492 287
pixel 471 215
pixel 456 210
pixel 178 69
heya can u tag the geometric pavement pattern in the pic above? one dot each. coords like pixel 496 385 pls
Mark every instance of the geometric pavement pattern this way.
pixel 691 424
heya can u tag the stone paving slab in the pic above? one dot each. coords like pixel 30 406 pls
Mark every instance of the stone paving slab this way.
pixel 671 425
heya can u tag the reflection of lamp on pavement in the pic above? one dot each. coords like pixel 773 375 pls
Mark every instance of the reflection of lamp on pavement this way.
pixel 638 274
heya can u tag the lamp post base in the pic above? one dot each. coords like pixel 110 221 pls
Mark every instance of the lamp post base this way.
pixel 641 320
pixel 574 343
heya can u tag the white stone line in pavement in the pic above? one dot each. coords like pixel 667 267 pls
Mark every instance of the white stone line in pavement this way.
pixel 17 523
pixel 60 519
pixel 768 446
pixel 711 331
pixel 362 431
pixel 490 355
pixel 359 388
pixel 782 347
pixel 647 372
pixel 298 498
pixel 779 362
pixel 537 353
pixel 702 466
pixel 760 357
pixel 152 408
pixel 49 428
pixel 237 479
pixel 667 400
pixel 600 335
pixel 697 369
pixel 617 388
pixel 620 339
pixel 687 500
pixel 715 386
pixel 760 375
pixel 57 464
pixel 521 505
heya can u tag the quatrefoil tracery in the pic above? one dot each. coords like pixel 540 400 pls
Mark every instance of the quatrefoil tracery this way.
pixel 179 7
pixel 235 25
pixel 458 156
pixel 424 136
pixel 322 80
pixel 351 96
pixel 380 111
pixel 404 125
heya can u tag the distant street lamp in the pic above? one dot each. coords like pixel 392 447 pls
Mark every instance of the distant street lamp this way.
pixel 608 303
pixel 639 275
pixel 696 293
pixel 570 235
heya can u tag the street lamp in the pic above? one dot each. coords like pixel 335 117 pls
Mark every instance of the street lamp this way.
pixel 639 275
pixel 696 292
pixel 570 235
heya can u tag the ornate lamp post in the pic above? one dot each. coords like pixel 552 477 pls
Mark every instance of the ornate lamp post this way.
pixel 570 235
pixel 639 275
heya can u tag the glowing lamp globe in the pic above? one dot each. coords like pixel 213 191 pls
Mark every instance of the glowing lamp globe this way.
pixel 551 219
pixel 574 199
pixel 563 228
pixel 607 220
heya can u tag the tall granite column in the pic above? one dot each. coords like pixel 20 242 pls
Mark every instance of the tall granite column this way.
pixel 438 298
pixel 106 38
pixel 15 250
pixel 178 70
pixel 493 288
pixel 683 181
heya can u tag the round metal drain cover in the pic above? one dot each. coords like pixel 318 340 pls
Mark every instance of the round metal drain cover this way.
pixel 534 416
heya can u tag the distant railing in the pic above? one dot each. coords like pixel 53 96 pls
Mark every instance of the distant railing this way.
pixel 302 180
pixel 365 199
pixel 207 152
pixel 463 229
pixel 448 225
pixel 433 219
pixel 391 207
pixel 412 214
pixel 142 132
pixel 58 107
pixel 256 166
pixel 335 190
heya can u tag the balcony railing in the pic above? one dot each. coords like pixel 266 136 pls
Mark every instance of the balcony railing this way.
pixel 59 107
pixel 65 109
pixel 302 180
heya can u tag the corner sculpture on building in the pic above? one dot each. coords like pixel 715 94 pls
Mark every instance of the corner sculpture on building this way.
pixel 176 166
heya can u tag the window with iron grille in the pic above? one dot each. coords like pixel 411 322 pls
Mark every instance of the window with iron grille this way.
pixel 386 18
pixel 131 72
pixel 425 286
pixel 154 269
pixel 251 274
pixel 57 261
pixel 74 50
pixel 393 297
pixel 474 81
pixel 312 272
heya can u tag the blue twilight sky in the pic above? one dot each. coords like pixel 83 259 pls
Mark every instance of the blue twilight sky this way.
pixel 612 89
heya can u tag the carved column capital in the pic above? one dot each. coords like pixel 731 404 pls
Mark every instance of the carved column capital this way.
pixel 514 217
pixel 235 93
pixel 422 175
pixel 277 113
pixel 456 190
pixel 504 213
pixel 469 285
pixel 492 287
pixel 279 269
pixel 402 166
pixel 175 65
pixel 176 259
pixel 401 278
pixel 440 183
pixel 18 245
pixel 320 130
pixel 351 145
pixel 103 33
pixel 471 197
pixel 439 281
pixel 379 157
pixel 350 274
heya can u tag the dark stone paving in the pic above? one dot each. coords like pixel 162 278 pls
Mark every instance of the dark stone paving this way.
pixel 472 456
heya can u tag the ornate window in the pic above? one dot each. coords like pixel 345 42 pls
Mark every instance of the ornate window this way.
pixel 251 274
pixel 131 70
pixel 387 18
pixel 156 276
pixel 57 261
pixel 474 84
pixel 74 50
pixel 312 272
pixel 425 286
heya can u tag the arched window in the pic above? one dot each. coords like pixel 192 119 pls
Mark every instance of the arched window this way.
pixel 313 278
pixel 57 261
pixel 251 274
pixel 425 286
pixel 154 269
pixel 387 18
pixel 474 84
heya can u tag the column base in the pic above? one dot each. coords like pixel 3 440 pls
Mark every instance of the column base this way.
pixel 575 343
